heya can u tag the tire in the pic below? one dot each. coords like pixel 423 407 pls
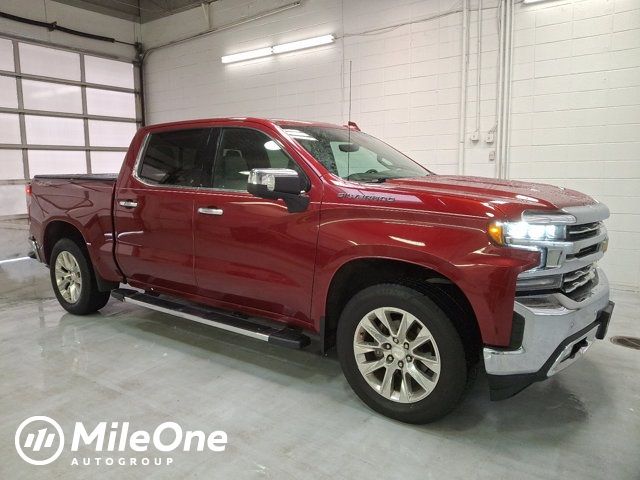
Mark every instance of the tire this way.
pixel 72 261
pixel 440 387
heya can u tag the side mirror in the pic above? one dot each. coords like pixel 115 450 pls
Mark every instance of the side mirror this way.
pixel 276 183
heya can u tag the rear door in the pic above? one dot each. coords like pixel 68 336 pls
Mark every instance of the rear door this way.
pixel 251 254
pixel 154 209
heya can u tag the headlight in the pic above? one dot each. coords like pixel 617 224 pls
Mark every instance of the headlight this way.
pixel 505 233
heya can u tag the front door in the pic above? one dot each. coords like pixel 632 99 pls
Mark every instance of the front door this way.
pixel 251 254
pixel 154 210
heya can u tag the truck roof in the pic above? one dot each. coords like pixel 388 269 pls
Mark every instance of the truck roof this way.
pixel 263 121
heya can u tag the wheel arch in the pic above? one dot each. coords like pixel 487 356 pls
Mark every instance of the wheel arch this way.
pixel 358 274
pixel 58 229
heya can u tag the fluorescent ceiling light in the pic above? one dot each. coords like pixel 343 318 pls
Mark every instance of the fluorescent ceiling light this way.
pixel 238 57
pixel 282 48
pixel 299 45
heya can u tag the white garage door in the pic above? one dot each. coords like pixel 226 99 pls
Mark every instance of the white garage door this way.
pixel 61 111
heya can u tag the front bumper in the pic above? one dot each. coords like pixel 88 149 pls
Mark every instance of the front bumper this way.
pixel 557 331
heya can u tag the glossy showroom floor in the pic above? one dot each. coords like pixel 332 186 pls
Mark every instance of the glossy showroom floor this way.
pixel 290 414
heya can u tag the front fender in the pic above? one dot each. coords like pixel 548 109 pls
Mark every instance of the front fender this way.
pixel 456 248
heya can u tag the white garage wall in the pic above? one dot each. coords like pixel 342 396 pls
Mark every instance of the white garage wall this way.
pixel 188 80
pixel 576 111
pixel 575 100
pixel 405 82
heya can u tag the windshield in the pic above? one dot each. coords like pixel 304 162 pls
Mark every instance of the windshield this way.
pixel 355 155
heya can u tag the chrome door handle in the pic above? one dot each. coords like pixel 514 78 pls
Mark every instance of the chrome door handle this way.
pixel 128 203
pixel 210 211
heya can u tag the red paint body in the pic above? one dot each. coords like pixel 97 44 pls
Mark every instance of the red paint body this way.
pixel 261 260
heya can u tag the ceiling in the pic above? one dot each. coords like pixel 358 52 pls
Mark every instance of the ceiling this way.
pixel 136 10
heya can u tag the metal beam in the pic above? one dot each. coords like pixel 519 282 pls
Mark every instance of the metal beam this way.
pixel 27 76
pixel 73 148
pixel 23 127
pixel 46 113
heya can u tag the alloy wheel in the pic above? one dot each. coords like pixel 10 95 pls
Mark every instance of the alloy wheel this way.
pixel 396 354
pixel 68 276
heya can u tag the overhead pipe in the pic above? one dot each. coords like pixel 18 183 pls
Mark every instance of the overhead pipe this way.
pixel 478 67
pixel 498 123
pixel 505 58
pixel 464 73
pixel 53 26
pixel 507 100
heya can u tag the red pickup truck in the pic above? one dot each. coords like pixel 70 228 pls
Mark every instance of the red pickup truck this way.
pixel 290 231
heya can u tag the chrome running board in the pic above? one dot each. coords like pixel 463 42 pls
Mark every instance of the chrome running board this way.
pixel 249 327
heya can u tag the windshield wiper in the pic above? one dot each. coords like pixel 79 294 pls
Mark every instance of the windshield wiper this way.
pixel 372 180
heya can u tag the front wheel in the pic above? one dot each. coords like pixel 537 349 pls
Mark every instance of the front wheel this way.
pixel 401 354
pixel 73 279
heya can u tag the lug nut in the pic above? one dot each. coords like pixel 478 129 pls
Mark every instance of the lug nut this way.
pixel 390 358
pixel 387 346
pixel 400 364
pixel 395 340
pixel 409 358
pixel 406 345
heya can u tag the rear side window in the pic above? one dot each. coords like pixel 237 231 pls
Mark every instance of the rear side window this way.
pixel 175 158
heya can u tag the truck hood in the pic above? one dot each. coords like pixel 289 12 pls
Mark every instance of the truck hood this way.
pixel 499 192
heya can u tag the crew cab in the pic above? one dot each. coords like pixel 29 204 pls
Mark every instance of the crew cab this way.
pixel 291 231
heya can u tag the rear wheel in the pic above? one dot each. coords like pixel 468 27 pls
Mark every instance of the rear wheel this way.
pixel 401 354
pixel 73 279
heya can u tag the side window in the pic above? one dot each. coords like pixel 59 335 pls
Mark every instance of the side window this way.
pixel 174 158
pixel 242 149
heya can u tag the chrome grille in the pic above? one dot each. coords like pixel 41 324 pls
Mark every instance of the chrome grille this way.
pixel 586 230
pixel 586 251
pixel 579 282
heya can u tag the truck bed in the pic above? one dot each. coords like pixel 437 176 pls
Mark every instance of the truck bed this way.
pixel 83 201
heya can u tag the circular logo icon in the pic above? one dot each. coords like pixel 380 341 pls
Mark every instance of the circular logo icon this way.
pixel 42 441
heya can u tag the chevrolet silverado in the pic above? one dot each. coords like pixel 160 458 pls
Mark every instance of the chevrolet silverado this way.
pixel 291 231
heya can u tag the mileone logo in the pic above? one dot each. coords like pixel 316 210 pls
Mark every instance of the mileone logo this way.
pixel 40 440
